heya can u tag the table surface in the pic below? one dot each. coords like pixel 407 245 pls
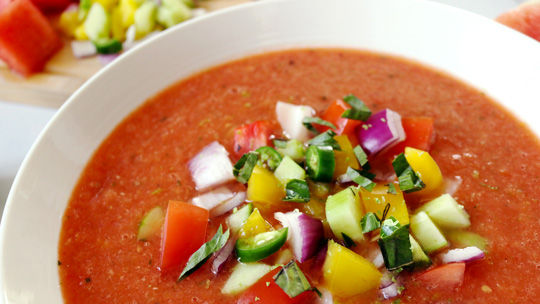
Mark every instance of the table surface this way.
pixel 26 105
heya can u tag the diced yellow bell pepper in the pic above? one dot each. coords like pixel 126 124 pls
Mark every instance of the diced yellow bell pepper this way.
pixel 107 4
pixel 127 12
pixel 79 33
pixel 347 273
pixel 69 20
pixel 264 187
pixel 376 200
pixel 255 224
pixel 117 25
pixel 344 158
pixel 427 169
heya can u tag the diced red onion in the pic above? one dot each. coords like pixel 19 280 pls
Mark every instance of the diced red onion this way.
pixel 82 49
pixel 451 185
pixel 344 178
pixel 381 131
pixel 320 258
pixel 213 197
pixel 326 297
pixel 390 291
pixel 73 7
pixel 387 279
pixel 211 167
pixel 223 255
pixel 106 59
pixel 305 233
pixel 290 118
pixel 374 254
pixel 228 205
pixel 467 254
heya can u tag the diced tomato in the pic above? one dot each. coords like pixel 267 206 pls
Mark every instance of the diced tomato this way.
pixel 418 131
pixel 444 276
pixel 251 136
pixel 266 291
pixel 333 114
pixel 27 39
pixel 184 232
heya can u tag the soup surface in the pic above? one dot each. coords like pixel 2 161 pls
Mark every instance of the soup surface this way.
pixel 143 164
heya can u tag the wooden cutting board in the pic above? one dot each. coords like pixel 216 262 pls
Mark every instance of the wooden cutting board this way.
pixel 64 74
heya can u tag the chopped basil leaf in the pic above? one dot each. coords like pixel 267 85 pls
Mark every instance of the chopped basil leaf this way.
pixel 292 280
pixel 359 178
pixel 409 181
pixel 325 139
pixel 244 166
pixel 348 241
pixel 280 143
pixel 297 191
pixel 395 244
pixel 385 212
pixel 392 189
pixel 199 257
pixel 361 156
pixel 370 222
pixel 359 109
pixel 308 123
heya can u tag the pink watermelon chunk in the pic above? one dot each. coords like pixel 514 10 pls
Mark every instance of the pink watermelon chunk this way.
pixel 524 18
pixel 27 39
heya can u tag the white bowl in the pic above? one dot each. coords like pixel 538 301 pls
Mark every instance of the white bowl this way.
pixel 491 57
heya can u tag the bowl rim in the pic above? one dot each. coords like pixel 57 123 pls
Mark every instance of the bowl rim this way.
pixel 50 140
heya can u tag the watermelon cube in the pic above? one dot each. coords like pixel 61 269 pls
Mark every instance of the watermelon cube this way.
pixel 27 39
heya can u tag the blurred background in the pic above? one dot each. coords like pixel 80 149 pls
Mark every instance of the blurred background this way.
pixel 21 120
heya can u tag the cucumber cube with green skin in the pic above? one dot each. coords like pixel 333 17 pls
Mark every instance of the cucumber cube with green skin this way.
pixel 236 220
pixel 420 258
pixel 288 170
pixel 172 12
pixel 243 276
pixel 427 233
pixel 145 18
pixel 344 213
pixel 98 23
pixel 447 213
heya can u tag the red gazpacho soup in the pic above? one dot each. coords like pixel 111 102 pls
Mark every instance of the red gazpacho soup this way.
pixel 306 176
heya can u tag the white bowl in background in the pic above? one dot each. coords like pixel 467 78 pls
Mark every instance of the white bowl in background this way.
pixel 491 57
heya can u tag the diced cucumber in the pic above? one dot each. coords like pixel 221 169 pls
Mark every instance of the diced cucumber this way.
pixel 151 224
pixel 97 23
pixel 462 239
pixel 172 12
pixel 243 276
pixel 426 232
pixel 446 212
pixel 420 258
pixel 145 18
pixel 344 213
pixel 288 169
pixel 236 220
pixel 295 149
pixel 84 7
pixel 108 46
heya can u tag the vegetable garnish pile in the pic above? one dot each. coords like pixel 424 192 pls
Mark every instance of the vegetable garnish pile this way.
pixel 342 226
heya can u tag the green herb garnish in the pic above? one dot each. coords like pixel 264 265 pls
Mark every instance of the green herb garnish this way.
pixel 348 241
pixel 297 191
pixel 409 181
pixel 362 157
pixel 292 280
pixel 359 109
pixel 392 189
pixel 325 139
pixel 244 166
pixel 370 222
pixel 362 178
pixel 280 143
pixel 395 244
pixel 309 121
pixel 200 256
